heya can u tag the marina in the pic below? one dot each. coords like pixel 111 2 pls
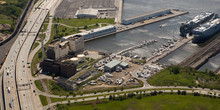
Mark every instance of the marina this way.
pixel 160 53
pixel 122 28
pixel 137 46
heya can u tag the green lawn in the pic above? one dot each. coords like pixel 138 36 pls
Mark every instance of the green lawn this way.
pixel 39 85
pixel 83 22
pixel 5 19
pixel 185 77
pixel 44 27
pixel 159 102
pixel 37 58
pixel 56 89
pixel 61 31
pixel 43 100
pixel 35 45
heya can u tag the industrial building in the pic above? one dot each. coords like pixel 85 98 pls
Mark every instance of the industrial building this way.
pixel 65 69
pixel 61 49
pixel 86 13
pixel 93 33
pixel 111 66
pixel 146 16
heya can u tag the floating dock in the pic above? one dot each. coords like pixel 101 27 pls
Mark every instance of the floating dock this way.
pixel 122 28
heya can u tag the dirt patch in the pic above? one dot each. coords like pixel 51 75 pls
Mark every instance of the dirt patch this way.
pixel 4 36
pixel 2 2
pixel 5 26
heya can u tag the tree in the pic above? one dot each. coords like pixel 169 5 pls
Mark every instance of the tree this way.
pixel 67 95
pixel 175 69
pixel 81 93
pixel 110 97
pixel 183 92
pixel 68 102
pixel 85 27
pixel 115 89
pixel 74 93
pixel 178 92
pixel 95 92
pixel 122 88
pixel 53 75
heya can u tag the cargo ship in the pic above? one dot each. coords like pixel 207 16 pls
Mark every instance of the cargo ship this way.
pixel 186 28
pixel 206 31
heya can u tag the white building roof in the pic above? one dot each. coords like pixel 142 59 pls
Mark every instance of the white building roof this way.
pixel 113 63
pixel 89 32
pixel 92 12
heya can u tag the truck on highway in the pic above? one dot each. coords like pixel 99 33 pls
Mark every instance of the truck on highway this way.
pixel 9 89
pixel 10 104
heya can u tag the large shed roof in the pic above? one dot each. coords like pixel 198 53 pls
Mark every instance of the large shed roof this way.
pixel 87 12
pixel 113 63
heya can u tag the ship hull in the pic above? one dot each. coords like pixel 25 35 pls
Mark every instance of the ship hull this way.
pixel 206 35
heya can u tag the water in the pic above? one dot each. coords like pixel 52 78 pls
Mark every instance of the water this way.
pixel 117 42
pixel 212 64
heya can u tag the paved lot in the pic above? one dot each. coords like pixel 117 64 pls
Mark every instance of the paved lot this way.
pixel 68 8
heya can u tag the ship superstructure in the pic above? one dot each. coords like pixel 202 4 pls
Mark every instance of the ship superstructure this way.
pixel 186 28
pixel 206 31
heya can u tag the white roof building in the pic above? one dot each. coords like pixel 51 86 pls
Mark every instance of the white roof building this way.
pixel 86 13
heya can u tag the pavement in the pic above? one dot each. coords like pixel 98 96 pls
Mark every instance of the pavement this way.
pixel 15 76
pixel 119 5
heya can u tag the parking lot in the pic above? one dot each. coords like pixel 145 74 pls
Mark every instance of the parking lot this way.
pixel 68 8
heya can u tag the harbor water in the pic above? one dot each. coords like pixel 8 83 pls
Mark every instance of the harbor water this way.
pixel 169 29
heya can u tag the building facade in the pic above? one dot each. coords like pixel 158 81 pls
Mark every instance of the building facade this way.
pixel 61 49
pixel 65 69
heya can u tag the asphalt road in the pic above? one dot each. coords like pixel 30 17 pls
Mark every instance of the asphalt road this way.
pixel 16 84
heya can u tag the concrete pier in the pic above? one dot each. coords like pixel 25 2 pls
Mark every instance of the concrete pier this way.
pixel 122 28
pixel 202 56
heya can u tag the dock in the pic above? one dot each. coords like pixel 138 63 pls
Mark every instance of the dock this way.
pixel 160 54
pixel 122 28
pixel 177 45
pixel 119 4
pixel 136 47
pixel 203 55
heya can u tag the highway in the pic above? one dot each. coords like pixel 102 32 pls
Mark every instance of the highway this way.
pixel 16 84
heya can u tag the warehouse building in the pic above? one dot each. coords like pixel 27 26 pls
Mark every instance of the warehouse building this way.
pixel 93 33
pixel 111 66
pixel 146 16
pixel 86 13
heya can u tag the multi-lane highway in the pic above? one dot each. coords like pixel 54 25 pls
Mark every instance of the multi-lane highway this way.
pixel 17 90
